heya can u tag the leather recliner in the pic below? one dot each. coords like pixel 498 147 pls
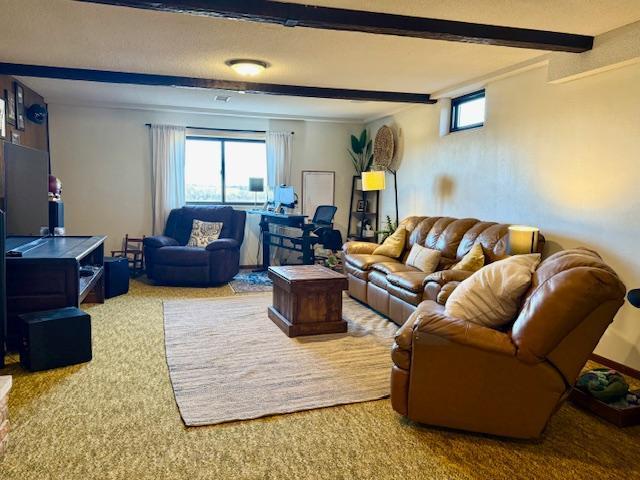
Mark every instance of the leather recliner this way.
pixel 169 261
pixel 395 289
pixel 458 374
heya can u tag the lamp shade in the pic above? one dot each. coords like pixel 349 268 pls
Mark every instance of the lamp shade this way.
pixel 374 180
pixel 256 184
pixel 522 239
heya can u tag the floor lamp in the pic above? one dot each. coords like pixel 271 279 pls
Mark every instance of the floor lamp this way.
pixel 256 184
pixel 376 180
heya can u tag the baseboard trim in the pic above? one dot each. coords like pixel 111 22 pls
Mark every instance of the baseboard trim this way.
pixel 632 372
pixel 247 267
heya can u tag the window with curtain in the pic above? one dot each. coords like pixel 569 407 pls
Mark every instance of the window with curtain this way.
pixel 217 170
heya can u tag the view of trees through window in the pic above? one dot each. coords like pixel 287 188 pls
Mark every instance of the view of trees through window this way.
pixel 218 170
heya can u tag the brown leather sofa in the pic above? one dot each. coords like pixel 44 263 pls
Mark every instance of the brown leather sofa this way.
pixel 458 374
pixel 395 289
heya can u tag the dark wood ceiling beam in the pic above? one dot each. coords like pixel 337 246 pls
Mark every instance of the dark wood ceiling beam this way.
pixel 299 15
pixel 106 76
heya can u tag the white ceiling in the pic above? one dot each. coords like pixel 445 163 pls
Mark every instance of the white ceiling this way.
pixel 74 34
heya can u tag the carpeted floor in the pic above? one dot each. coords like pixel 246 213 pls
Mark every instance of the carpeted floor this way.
pixel 115 418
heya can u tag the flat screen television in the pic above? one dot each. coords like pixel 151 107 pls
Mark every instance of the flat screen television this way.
pixel 26 189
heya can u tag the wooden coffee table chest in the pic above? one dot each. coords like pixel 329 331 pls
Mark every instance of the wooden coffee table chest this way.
pixel 307 300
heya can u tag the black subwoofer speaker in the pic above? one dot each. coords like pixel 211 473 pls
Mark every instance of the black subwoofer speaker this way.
pixel 55 338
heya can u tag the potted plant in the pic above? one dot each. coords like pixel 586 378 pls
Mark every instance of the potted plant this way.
pixel 361 152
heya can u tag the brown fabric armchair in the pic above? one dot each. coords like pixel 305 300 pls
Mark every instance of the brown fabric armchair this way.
pixel 458 374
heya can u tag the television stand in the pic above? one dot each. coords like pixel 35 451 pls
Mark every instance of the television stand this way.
pixel 47 275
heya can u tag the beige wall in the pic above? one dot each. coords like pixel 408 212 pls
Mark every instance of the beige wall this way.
pixel 562 157
pixel 102 156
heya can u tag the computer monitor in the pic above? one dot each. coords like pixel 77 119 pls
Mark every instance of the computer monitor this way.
pixel 285 196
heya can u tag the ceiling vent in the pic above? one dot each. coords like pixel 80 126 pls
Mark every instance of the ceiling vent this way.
pixel 222 98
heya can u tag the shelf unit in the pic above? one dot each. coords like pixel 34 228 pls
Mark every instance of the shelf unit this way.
pixel 358 219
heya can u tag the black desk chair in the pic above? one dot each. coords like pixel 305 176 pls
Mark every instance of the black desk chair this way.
pixel 328 237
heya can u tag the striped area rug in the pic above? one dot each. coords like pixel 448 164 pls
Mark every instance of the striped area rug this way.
pixel 227 361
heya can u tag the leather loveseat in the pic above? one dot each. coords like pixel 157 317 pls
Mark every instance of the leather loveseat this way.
pixel 168 259
pixel 454 373
pixel 395 289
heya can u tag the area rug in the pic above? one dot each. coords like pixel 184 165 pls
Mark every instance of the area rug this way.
pixel 249 282
pixel 227 361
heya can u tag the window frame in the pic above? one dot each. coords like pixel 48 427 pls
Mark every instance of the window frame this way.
pixel 223 140
pixel 455 108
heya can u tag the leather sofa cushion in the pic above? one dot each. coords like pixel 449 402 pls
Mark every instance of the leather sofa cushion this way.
pixel 182 256
pixel 411 281
pixel 356 272
pixel 393 267
pixel 378 278
pixel 364 261
pixel 414 298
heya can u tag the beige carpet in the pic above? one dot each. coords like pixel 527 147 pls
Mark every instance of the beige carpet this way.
pixel 115 418
pixel 228 361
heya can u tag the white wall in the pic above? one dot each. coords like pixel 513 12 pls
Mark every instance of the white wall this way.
pixel 562 157
pixel 103 158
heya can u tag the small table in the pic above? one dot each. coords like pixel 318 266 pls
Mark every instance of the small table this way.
pixel 307 300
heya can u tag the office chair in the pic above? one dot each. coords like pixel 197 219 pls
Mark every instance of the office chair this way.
pixel 328 237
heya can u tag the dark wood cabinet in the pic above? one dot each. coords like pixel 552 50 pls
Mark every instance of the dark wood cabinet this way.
pixel 48 275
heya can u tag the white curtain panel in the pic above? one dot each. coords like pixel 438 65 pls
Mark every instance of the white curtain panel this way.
pixel 167 172
pixel 279 153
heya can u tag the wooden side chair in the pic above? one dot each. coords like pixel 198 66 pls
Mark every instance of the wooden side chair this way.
pixel 132 250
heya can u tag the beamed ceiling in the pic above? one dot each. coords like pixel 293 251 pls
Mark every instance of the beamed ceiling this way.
pixel 66 33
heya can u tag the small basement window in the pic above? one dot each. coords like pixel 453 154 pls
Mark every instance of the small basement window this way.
pixel 467 111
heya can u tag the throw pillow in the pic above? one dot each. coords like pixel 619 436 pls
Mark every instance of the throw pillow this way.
pixel 393 245
pixel 203 233
pixel 472 261
pixel 491 296
pixel 423 258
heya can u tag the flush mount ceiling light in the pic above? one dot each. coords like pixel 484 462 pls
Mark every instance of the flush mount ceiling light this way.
pixel 247 68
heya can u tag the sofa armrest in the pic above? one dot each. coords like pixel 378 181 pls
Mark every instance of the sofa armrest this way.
pixel 430 319
pixel 445 276
pixel 445 292
pixel 223 244
pixel 160 241
pixel 359 247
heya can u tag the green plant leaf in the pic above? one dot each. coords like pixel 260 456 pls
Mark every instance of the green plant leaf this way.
pixel 355 145
pixel 363 138
pixel 356 162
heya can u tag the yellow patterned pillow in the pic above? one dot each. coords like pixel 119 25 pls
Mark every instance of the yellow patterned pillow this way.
pixel 393 245
pixel 472 261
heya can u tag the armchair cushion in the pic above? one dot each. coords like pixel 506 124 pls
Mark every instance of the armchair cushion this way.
pixel 492 295
pixel 160 241
pixel 223 244
pixel 203 233
pixel 183 256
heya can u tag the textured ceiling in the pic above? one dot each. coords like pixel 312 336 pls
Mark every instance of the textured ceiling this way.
pixel 73 34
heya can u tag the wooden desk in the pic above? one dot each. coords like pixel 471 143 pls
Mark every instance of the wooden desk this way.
pixel 303 243
pixel 47 276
